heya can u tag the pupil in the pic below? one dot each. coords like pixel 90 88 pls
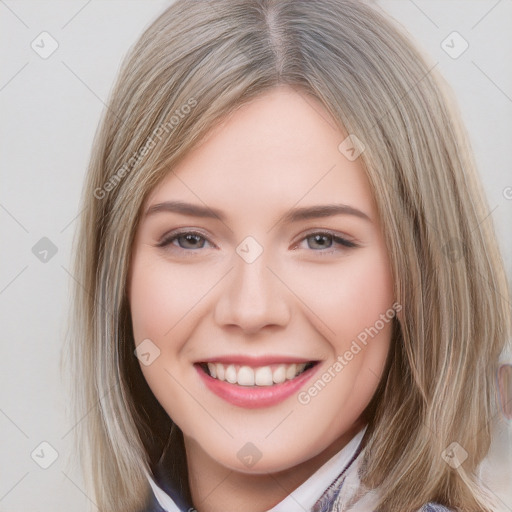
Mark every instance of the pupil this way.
pixel 191 239
pixel 318 240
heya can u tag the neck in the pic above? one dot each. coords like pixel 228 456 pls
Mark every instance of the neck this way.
pixel 216 488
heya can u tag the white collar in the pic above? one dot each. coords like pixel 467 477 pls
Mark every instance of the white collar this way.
pixel 164 500
pixel 306 494
pixel 310 491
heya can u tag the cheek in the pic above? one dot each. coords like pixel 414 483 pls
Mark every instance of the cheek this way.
pixel 347 303
pixel 151 303
pixel 348 297
pixel 356 304
pixel 161 297
pixel 366 294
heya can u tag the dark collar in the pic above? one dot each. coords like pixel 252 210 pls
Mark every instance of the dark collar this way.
pixel 163 478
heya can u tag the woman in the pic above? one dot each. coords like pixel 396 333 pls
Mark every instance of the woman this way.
pixel 288 299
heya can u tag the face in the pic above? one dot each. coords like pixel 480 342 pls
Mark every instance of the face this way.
pixel 260 288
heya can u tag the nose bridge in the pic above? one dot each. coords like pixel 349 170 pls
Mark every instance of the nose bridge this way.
pixel 253 296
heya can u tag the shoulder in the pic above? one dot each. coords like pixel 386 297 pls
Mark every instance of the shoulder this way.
pixel 434 507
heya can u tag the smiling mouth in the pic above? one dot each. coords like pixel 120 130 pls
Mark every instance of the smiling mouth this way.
pixel 243 375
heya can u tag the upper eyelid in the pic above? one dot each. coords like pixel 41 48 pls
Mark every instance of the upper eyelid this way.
pixel 168 237
pixel 171 236
pixel 332 233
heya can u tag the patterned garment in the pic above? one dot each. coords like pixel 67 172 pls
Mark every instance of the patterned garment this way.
pixel 155 507
pixel 344 494
pixel 323 505
pixel 348 494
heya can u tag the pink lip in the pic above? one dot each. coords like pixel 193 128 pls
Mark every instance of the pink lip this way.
pixel 253 397
pixel 254 362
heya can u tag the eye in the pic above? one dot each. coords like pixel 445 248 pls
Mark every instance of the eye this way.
pixel 186 240
pixel 321 240
pixel 192 240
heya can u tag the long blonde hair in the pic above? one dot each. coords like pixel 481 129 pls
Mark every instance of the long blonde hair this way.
pixel 196 63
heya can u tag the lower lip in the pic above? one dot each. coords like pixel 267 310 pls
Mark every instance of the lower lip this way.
pixel 253 397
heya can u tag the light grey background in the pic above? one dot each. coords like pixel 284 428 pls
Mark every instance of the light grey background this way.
pixel 49 112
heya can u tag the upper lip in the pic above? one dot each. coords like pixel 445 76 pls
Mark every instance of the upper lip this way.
pixel 256 361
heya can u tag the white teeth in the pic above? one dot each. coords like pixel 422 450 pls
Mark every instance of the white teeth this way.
pixel 279 374
pixel 261 376
pixel 245 376
pixel 231 374
pixel 212 369
pixel 291 371
pixel 219 369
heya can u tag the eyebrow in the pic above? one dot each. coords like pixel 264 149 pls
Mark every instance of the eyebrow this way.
pixel 293 215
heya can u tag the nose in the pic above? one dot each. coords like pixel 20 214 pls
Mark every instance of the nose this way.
pixel 253 297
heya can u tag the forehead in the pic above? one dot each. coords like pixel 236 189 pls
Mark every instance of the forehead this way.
pixel 280 149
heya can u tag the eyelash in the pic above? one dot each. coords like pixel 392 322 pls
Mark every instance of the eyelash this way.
pixel 336 239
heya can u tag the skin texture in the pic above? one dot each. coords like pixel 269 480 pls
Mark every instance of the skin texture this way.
pixel 300 298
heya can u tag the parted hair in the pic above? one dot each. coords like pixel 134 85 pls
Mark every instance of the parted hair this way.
pixel 194 65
